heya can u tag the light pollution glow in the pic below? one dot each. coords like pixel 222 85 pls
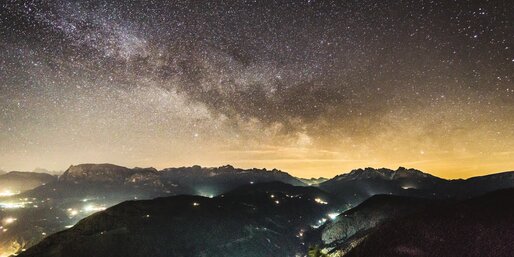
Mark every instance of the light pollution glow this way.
pixel 7 192
pixel 11 249
pixel 314 88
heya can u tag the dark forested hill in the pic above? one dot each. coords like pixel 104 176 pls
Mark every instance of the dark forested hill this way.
pixel 254 220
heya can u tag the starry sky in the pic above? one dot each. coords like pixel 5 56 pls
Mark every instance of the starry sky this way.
pixel 312 87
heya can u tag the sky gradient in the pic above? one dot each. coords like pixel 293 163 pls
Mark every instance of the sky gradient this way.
pixel 315 88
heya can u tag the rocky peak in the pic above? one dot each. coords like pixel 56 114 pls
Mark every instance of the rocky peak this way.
pixel 27 175
pixel 402 172
pixel 102 173
pixel 382 173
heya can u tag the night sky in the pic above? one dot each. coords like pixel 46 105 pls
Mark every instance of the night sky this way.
pixel 315 88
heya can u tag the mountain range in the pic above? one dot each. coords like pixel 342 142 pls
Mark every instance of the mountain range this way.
pixel 99 180
pixel 358 185
pixel 353 187
pixel 337 214
pixel 83 189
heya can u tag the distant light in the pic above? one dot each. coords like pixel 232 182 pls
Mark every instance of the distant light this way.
pixel 277 202
pixel 12 205
pixel 9 220
pixel 8 193
pixel 13 248
pixel 69 226
pixel 15 205
pixel 196 204
pixel 333 215
pixel 320 201
pixel 251 182
pixel 73 212
pixel 93 208
pixel 272 196
pixel 322 221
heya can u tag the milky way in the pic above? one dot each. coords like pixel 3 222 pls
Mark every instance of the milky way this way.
pixel 312 87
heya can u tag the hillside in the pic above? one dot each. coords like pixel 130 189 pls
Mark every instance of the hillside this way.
pixel 350 227
pixel 18 181
pixel 254 220
pixel 478 227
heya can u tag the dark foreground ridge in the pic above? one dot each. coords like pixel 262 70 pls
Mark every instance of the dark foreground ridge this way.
pixel 274 219
pixel 351 227
pixel 253 220
pixel 478 227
